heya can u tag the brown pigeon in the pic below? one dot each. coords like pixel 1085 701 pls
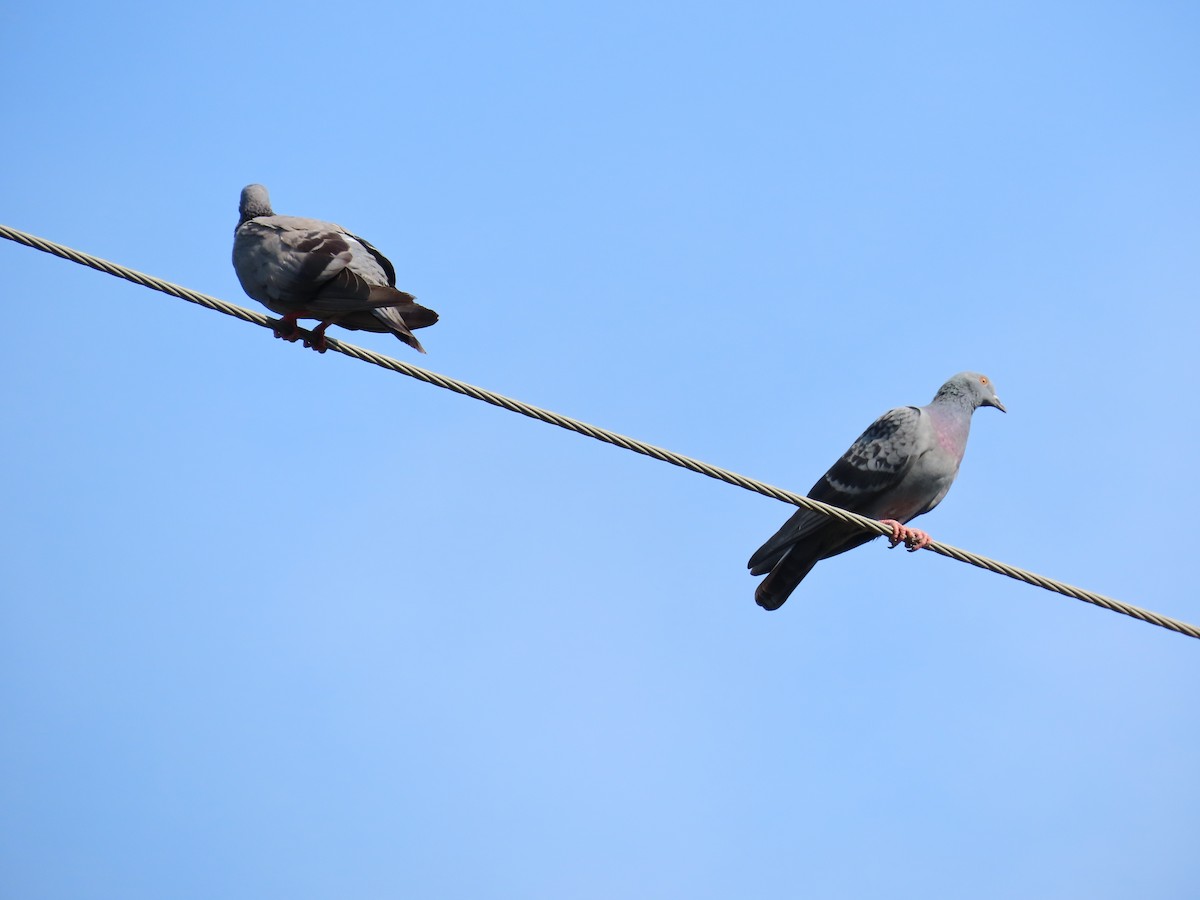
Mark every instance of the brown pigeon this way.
pixel 308 269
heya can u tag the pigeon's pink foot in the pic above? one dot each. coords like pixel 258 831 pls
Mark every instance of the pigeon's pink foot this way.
pixel 287 328
pixel 897 531
pixel 317 341
pixel 917 539
pixel 912 538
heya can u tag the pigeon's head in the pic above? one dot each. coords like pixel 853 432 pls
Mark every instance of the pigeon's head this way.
pixel 972 387
pixel 255 202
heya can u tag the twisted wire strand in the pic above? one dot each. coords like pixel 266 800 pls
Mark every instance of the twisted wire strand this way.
pixel 600 434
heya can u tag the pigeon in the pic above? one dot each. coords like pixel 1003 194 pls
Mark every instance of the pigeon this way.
pixel 900 468
pixel 308 269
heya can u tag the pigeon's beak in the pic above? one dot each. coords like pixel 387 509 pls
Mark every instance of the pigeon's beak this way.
pixel 995 401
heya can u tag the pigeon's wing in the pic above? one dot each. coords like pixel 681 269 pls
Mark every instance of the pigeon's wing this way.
pixel 874 465
pixel 382 261
pixel 403 313
pixel 803 524
pixel 369 283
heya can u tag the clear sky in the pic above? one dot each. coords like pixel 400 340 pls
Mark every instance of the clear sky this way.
pixel 277 624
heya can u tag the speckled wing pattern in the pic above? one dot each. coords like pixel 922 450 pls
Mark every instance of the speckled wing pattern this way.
pixel 876 462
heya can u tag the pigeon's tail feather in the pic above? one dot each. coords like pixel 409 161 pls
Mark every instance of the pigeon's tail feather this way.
pixel 409 338
pixel 765 559
pixel 774 590
pixel 403 317
pixel 417 316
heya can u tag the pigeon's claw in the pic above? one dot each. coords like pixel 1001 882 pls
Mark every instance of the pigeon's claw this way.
pixel 912 538
pixel 916 539
pixel 317 341
pixel 287 328
pixel 897 531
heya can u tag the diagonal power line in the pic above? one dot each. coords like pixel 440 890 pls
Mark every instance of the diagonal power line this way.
pixel 600 434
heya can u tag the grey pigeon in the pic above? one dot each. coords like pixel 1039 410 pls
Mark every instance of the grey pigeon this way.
pixel 900 468
pixel 308 269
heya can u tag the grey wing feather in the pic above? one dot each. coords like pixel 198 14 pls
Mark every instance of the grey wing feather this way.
pixel 384 263
pixel 876 462
pixel 803 523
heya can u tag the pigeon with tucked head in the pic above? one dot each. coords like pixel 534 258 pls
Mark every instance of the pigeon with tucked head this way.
pixel 309 269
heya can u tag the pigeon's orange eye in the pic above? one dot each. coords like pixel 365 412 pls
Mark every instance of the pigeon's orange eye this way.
pixel 983 379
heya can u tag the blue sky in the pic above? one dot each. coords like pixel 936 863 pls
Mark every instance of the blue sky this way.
pixel 279 624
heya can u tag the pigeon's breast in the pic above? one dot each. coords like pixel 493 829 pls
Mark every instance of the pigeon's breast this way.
pixel 252 261
pixel 926 481
pixel 931 478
